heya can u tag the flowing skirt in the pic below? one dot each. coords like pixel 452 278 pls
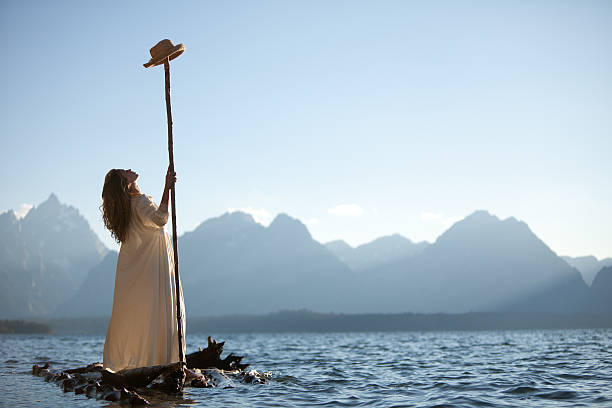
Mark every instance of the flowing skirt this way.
pixel 143 329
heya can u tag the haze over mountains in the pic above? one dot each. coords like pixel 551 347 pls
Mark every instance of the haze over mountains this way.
pixel 52 264
pixel 479 264
pixel 381 250
pixel 44 258
pixel 588 265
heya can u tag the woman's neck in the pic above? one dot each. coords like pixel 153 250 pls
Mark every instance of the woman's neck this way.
pixel 133 188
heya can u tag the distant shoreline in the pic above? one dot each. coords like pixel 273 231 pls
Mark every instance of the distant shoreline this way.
pixel 379 322
pixel 306 321
pixel 23 327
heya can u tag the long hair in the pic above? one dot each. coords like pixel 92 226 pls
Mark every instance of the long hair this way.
pixel 116 205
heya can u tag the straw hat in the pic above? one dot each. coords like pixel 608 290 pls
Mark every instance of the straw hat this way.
pixel 162 50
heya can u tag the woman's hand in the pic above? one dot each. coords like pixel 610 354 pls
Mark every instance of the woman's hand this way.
pixel 170 178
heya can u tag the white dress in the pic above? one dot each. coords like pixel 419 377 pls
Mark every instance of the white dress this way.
pixel 143 326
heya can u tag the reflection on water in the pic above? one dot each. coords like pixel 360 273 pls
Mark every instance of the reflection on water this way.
pixel 504 368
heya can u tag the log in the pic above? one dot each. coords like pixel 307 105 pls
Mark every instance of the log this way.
pixel 91 387
pixel 173 374
pixel 211 358
pixel 126 386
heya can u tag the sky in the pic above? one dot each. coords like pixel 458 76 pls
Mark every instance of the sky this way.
pixel 359 118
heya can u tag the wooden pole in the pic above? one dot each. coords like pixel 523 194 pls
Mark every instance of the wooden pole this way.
pixel 173 200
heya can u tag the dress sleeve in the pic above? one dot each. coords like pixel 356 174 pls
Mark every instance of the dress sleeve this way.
pixel 151 214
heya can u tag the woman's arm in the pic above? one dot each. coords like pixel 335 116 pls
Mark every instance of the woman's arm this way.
pixel 149 212
pixel 170 180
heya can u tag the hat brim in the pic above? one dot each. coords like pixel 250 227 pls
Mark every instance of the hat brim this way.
pixel 172 54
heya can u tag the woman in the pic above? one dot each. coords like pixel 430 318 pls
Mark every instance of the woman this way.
pixel 143 326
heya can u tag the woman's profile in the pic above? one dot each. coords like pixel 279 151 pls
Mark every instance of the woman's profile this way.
pixel 143 328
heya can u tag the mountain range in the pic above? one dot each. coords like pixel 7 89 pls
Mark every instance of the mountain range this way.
pixel 481 263
pixel 589 266
pixel 381 250
pixel 52 264
pixel 44 258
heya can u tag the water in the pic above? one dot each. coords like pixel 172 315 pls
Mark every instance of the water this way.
pixel 543 368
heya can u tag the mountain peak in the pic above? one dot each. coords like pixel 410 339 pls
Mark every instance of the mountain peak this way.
pixel 483 227
pixel 482 218
pixel 286 224
pixel 50 205
pixel 394 239
pixel 338 244
pixel 473 222
pixel 238 216
pixel 588 265
pixel 586 258
pixel 481 215
pixel 9 215
pixel 8 221
pixel 235 219
pixel 603 280
pixel 603 277
pixel 282 218
pixel 52 200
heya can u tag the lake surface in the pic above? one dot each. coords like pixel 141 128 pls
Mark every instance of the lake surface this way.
pixel 541 368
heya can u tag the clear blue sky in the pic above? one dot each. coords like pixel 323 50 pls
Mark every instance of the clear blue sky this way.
pixel 361 119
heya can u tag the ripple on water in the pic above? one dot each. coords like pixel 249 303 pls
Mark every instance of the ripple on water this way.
pixel 455 369
pixel 472 402
pixel 558 395
pixel 576 376
pixel 600 399
pixel 285 379
pixel 521 390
